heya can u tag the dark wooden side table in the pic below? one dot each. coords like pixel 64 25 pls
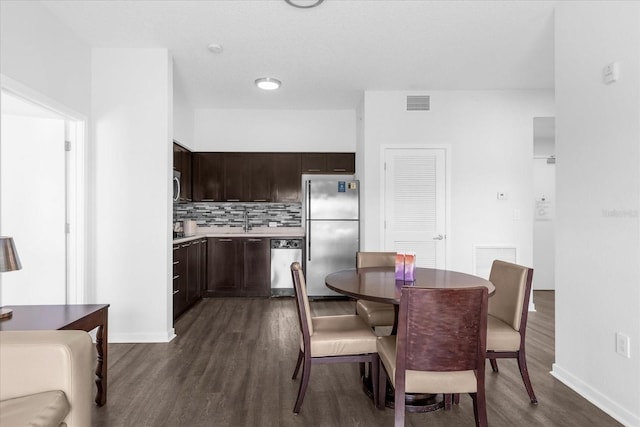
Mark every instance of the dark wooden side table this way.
pixel 85 317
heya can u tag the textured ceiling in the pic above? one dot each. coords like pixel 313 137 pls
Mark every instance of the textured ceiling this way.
pixel 328 56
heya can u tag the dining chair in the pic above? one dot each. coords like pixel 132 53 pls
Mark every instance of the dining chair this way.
pixel 440 347
pixel 375 313
pixel 328 339
pixel 507 322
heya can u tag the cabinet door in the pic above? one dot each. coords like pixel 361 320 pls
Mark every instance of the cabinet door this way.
pixel 193 275
pixel 257 267
pixel 313 162
pixel 286 177
pixel 341 162
pixel 208 177
pixel 236 177
pixel 224 271
pixel 180 278
pixel 261 177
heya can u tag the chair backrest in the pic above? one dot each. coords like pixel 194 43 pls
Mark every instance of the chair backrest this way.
pixel 375 259
pixel 442 330
pixel 510 303
pixel 302 301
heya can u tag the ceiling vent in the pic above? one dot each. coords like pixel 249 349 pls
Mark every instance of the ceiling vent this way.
pixel 417 103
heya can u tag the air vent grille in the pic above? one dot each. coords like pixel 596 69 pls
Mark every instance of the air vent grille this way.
pixel 418 103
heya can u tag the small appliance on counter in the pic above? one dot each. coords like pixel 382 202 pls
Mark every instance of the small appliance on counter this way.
pixel 190 227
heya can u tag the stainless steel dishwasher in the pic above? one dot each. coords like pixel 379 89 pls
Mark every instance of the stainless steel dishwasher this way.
pixel 283 253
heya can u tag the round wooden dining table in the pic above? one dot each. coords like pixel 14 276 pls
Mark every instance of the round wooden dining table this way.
pixel 379 284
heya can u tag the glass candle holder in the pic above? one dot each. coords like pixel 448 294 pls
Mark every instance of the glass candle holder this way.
pixel 399 266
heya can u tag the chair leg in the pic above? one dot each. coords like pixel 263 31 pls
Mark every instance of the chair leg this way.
pixel 399 408
pixel 304 382
pixel 456 398
pixel 381 384
pixel 295 372
pixel 373 374
pixel 494 364
pixel 447 401
pixel 479 409
pixel 524 372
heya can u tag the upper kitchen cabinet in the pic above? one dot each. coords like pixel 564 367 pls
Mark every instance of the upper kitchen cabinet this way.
pixel 248 177
pixel 328 163
pixel 286 177
pixel 208 177
pixel 182 163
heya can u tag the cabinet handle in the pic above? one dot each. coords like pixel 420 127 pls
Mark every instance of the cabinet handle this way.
pixel 233 200
pixel 339 170
pixel 313 170
pixel 175 292
pixel 185 245
pixel 255 240
pixel 225 240
pixel 175 248
pixel 176 276
pixel 195 242
pixel 260 200
pixel 207 200
pixel 176 262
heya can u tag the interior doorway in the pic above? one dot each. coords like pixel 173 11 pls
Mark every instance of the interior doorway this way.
pixel 544 182
pixel 415 202
pixel 41 198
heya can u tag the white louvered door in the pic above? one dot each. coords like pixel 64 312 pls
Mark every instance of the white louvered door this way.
pixel 415 204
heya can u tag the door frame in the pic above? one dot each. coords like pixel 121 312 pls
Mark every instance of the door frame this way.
pixel 76 131
pixel 447 188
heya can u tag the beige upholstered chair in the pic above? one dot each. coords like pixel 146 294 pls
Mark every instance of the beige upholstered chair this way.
pixel 507 324
pixel 375 313
pixel 440 347
pixel 328 339
pixel 46 378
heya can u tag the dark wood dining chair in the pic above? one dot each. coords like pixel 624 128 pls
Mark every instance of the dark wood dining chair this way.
pixel 328 339
pixel 507 323
pixel 375 313
pixel 440 347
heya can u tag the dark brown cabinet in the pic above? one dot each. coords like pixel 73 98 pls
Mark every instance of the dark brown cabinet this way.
pixel 189 274
pixel 260 177
pixel 180 279
pixel 286 177
pixel 208 177
pixel 248 177
pixel 182 163
pixel 238 267
pixel 328 163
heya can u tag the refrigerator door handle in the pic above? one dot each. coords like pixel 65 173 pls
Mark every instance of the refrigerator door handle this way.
pixel 308 241
pixel 308 219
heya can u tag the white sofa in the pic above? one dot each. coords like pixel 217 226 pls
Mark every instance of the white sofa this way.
pixel 46 378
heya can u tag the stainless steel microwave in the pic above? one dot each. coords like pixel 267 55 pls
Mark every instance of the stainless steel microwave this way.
pixel 176 186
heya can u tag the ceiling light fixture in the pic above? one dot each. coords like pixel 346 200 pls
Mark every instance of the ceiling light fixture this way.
pixel 215 48
pixel 268 83
pixel 308 6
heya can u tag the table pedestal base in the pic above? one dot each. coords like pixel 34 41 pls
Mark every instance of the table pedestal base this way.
pixel 422 402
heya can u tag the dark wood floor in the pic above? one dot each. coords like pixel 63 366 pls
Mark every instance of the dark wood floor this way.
pixel 232 361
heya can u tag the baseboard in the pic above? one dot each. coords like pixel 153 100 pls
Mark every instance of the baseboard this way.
pixel 619 413
pixel 141 338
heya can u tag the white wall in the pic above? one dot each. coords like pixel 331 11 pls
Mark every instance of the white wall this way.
pixel 183 118
pixel 43 54
pixel 598 192
pixel 490 134
pixel 131 110
pixel 275 130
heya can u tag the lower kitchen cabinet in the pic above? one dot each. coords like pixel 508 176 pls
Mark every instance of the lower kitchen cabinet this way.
pixel 238 267
pixel 189 274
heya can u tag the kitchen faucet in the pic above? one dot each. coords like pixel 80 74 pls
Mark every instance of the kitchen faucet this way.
pixel 246 226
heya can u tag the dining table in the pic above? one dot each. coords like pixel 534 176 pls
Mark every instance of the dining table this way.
pixel 379 284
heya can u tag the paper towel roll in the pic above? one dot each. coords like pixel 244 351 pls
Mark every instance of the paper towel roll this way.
pixel 190 227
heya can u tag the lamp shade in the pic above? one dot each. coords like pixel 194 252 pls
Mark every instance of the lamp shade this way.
pixel 9 260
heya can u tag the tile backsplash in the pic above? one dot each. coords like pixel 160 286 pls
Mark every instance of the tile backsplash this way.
pixel 209 214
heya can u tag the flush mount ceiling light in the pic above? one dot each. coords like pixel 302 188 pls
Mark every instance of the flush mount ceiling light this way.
pixel 303 4
pixel 268 83
pixel 215 48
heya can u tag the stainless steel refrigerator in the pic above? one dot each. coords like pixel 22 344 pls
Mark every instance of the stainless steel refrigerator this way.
pixel 332 227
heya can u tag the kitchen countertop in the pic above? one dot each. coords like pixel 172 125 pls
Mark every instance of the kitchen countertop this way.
pixel 277 232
